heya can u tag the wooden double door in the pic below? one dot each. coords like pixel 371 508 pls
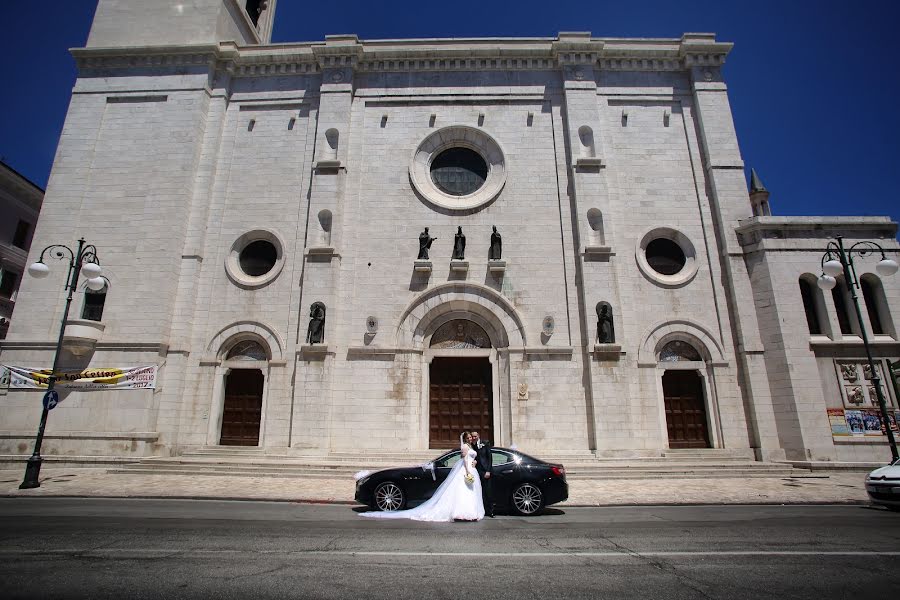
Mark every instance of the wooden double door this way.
pixel 685 409
pixel 243 408
pixel 460 399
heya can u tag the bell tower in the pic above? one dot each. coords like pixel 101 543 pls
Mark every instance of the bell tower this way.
pixel 119 23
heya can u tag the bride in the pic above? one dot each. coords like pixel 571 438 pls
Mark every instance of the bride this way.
pixel 457 499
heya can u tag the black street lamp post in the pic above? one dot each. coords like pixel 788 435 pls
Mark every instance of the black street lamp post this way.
pixel 838 260
pixel 84 261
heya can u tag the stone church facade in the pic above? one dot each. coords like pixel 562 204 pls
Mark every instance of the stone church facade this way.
pixel 259 211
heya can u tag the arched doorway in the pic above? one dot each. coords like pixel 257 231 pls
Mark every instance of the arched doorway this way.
pixel 685 405
pixel 242 411
pixel 460 384
pixel 242 405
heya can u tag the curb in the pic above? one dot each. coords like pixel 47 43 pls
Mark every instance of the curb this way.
pixel 316 501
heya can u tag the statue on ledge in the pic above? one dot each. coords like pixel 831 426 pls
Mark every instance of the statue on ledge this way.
pixel 315 333
pixel 459 245
pixel 496 245
pixel 606 333
pixel 425 241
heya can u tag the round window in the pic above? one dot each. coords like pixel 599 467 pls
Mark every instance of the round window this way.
pixel 458 168
pixel 665 256
pixel 459 171
pixel 257 258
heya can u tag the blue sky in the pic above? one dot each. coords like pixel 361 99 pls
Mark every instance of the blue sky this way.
pixel 813 83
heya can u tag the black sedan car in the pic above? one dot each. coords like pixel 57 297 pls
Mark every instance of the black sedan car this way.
pixel 521 483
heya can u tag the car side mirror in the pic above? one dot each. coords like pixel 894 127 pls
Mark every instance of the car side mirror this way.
pixel 430 467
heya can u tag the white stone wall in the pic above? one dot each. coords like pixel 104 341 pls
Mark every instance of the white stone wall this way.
pixel 166 165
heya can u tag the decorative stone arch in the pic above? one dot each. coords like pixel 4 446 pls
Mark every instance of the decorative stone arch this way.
pixel 487 309
pixel 664 332
pixel 218 347
pixel 461 300
pixel 241 330
pixel 710 350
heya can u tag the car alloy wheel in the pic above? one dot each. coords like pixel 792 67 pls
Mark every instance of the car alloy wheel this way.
pixel 528 499
pixel 389 496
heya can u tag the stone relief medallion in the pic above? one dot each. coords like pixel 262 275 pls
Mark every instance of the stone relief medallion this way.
pixel 337 76
pixel 855 395
pixel 371 325
pixel 460 334
pixel 849 373
pixel 707 75
pixel 523 391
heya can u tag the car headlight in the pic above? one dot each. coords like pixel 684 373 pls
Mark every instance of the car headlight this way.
pixel 362 482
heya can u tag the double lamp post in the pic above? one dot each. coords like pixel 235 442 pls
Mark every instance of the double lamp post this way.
pixel 837 261
pixel 82 261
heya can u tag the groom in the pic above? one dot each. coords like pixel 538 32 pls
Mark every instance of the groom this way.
pixel 485 468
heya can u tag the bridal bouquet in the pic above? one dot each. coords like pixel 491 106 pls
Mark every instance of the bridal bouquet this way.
pixel 470 479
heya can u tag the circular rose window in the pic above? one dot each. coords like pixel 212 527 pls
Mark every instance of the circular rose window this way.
pixel 459 171
pixel 458 167
pixel 667 257
pixel 255 259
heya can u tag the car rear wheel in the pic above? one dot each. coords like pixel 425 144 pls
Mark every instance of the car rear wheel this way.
pixel 389 496
pixel 528 499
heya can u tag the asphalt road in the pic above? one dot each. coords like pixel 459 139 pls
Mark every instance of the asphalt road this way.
pixel 126 548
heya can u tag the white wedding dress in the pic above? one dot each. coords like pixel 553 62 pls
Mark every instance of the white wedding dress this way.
pixel 453 500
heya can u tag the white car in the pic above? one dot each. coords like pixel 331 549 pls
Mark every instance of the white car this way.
pixel 883 485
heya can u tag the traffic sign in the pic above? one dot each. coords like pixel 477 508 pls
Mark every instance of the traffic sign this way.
pixel 51 399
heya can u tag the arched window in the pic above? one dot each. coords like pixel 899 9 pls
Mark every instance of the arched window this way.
pixel 93 304
pixel 876 305
pixel 247 350
pixel 841 306
pixel 679 351
pixel 809 293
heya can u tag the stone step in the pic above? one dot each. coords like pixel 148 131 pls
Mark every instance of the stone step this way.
pixel 195 470
pixel 325 468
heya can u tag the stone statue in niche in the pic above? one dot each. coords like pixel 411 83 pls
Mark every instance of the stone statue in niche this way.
pixel 849 373
pixel 606 333
pixel 496 245
pixel 425 241
pixel 315 333
pixel 459 245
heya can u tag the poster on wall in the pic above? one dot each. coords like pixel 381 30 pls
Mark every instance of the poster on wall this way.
pixel 125 378
pixel 855 422
pixel 838 422
pixel 871 422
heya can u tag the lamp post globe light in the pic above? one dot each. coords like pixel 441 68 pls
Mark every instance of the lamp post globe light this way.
pixel 838 260
pixel 82 261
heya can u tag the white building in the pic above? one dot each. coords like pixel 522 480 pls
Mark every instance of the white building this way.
pixel 229 184
pixel 20 205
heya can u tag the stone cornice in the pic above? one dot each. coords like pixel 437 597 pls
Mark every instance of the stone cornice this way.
pixel 754 230
pixel 449 54
pixel 21 188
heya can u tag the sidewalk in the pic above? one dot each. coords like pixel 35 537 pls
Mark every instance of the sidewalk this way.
pixel 828 488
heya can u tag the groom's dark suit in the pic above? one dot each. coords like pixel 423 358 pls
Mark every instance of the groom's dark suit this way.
pixel 483 464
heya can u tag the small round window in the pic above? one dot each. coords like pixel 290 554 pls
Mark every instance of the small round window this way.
pixel 665 256
pixel 257 258
pixel 459 171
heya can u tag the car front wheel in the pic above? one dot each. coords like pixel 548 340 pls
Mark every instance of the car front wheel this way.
pixel 389 496
pixel 528 499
